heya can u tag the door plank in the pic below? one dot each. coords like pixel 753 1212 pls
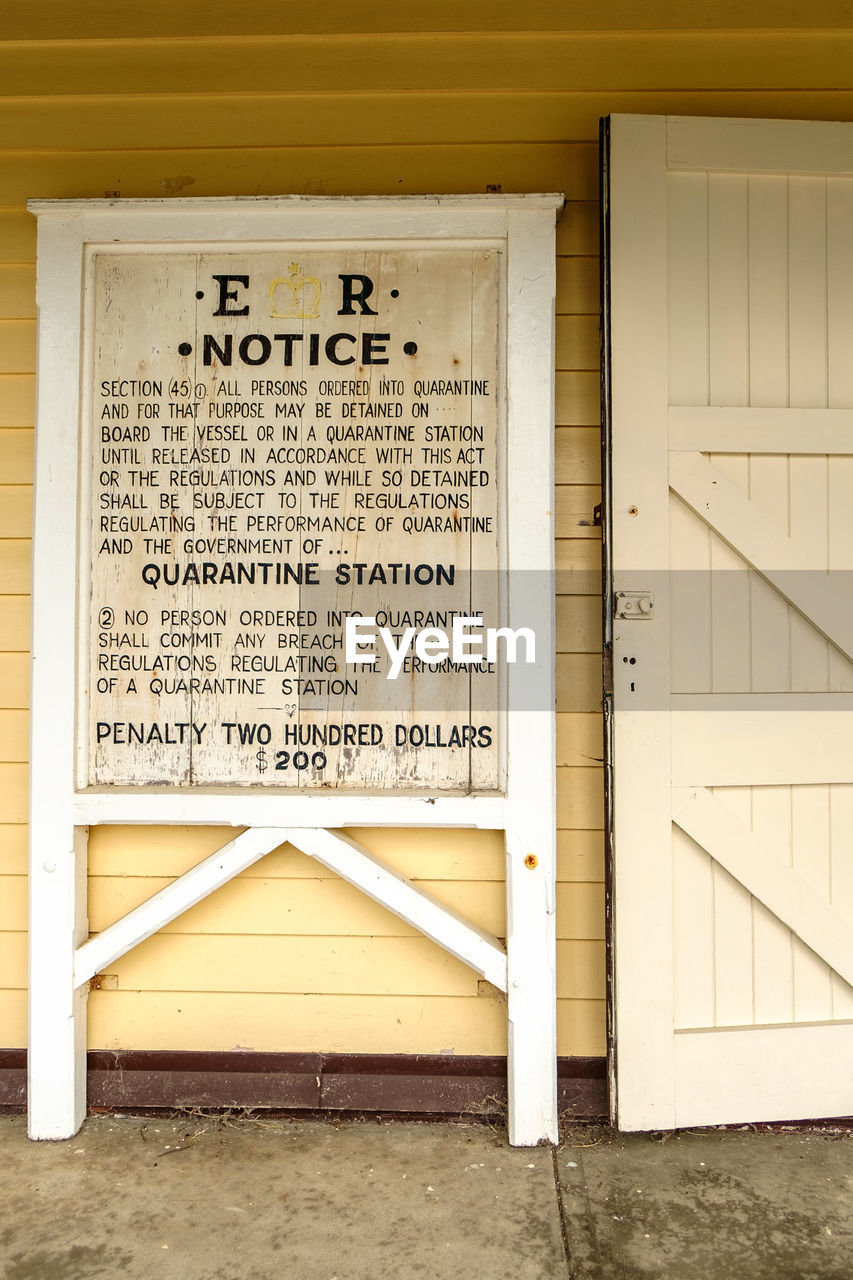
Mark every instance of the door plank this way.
pixel 783 891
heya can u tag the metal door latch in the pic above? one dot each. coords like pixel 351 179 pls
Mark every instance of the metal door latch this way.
pixel 634 604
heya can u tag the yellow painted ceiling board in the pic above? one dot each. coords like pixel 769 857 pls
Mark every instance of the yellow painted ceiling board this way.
pixel 16 453
pixel 580 798
pixel 423 854
pixel 134 119
pixel 575 510
pixel 578 624
pixel 578 399
pixel 15 573
pixel 580 856
pixel 322 966
pixel 303 907
pixel 578 286
pixel 577 455
pixel 577 556
pixel 14 688
pixel 14 738
pixel 13 850
pixel 14 622
pixel 580 910
pixel 487 59
pixel 578 682
pixel 14 796
pixel 16 510
pixel 13 1018
pixel 577 343
pixel 581 1028
pixel 13 899
pixel 13 962
pixel 261 171
pixel 327 907
pixel 157 18
pixel 17 346
pixel 579 738
pixel 17 400
pixel 18 298
pixel 288 1023
pixel 580 970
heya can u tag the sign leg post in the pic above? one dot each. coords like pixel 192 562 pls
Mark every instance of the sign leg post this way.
pixel 58 923
pixel 531 990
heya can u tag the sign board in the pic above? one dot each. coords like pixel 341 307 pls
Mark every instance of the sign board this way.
pixel 280 438
pixel 294 499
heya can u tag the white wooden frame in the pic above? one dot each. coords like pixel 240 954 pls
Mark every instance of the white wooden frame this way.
pixel 62 957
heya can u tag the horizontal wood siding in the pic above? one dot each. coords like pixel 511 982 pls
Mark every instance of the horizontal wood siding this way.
pixel 199 100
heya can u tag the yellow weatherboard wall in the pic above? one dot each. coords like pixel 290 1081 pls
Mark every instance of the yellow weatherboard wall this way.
pixel 200 99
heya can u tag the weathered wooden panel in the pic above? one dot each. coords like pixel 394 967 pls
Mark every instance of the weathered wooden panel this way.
pixel 269 477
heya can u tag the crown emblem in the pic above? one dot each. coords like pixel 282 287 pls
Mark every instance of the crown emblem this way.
pixel 295 296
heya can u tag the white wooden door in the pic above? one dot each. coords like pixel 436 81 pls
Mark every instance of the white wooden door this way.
pixel 731 530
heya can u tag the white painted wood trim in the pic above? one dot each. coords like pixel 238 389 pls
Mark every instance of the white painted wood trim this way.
pixel 394 891
pixel 57 876
pixel 531 728
pixel 721 430
pixel 241 808
pixel 762 1074
pixel 642 871
pixel 766 876
pixel 827 604
pixel 719 748
pixel 176 898
pixel 759 146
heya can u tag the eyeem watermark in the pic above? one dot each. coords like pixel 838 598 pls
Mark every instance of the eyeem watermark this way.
pixel 464 644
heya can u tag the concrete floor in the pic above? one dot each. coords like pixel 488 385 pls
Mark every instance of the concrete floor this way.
pixel 219 1198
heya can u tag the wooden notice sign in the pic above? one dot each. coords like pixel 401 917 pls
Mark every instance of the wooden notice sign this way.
pixel 294 497
pixel 282 439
